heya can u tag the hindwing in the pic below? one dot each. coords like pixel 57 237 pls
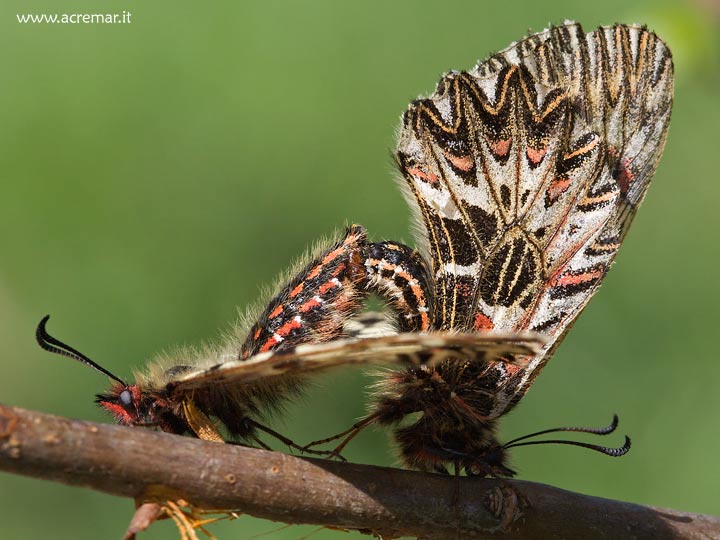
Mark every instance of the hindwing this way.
pixel 410 349
pixel 526 172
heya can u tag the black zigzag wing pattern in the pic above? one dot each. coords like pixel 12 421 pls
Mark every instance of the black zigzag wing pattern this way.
pixel 526 172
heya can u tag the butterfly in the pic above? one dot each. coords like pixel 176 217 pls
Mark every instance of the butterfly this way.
pixel 524 175
pixel 312 322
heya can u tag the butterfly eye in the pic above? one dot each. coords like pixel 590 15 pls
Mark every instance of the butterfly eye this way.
pixel 125 398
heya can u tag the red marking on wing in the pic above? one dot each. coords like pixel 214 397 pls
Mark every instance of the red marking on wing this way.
pixel 500 147
pixel 463 289
pixel 275 312
pixel 557 187
pixel 483 322
pixel 417 172
pixel 464 163
pixel 511 370
pixel 575 279
pixel 626 177
pixel 536 155
pixel 610 195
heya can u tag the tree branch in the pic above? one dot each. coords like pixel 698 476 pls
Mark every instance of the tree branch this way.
pixel 133 462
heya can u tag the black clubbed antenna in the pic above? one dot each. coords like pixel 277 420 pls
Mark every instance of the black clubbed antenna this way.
pixel 49 343
pixel 613 452
pixel 594 431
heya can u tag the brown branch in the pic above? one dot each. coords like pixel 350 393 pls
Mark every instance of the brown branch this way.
pixel 133 462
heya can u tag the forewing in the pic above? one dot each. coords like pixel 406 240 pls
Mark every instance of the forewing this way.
pixel 404 348
pixel 526 173
pixel 621 84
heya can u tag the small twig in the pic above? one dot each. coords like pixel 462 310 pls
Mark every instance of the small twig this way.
pixel 134 462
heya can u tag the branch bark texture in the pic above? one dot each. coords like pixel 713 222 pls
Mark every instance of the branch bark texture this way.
pixel 133 462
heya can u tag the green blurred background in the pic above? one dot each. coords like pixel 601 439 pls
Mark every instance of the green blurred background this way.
pixel 155 175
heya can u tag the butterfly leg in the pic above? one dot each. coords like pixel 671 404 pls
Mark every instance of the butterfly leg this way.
pixel 289 442
pixel 347 436
pixel 260 443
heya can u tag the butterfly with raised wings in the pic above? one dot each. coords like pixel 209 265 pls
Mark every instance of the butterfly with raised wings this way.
pixel 525 174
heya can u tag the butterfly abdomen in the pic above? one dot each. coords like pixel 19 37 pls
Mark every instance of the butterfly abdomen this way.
pixel 316 303
pixel 399 275
pixel 312 306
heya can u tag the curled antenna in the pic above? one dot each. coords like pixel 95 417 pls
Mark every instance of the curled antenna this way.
pixel 49 343
pixel 594 431
pixel 612 452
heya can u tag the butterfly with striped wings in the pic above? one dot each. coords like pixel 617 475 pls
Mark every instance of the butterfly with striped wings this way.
pixel 524 174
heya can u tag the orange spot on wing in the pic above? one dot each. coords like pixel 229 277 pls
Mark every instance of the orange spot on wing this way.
pixel 464 163
pixel 500 147
pixel 626 177
pixel 599 199
pixel 536 155
pixel 425 324
pixel 275 312
pixel 557 187
pixel 576 279
pixel 483 322
pixel 257 333
pixel 463 289
pixel 417 172
pixel 512 369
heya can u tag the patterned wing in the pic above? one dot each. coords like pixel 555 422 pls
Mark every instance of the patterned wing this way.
pixel 526 173
pixel 405 348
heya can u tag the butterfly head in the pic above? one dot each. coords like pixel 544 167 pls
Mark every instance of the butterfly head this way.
pixel 489 462
pixel 429 445
pixel 128 404
pixel 125 403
